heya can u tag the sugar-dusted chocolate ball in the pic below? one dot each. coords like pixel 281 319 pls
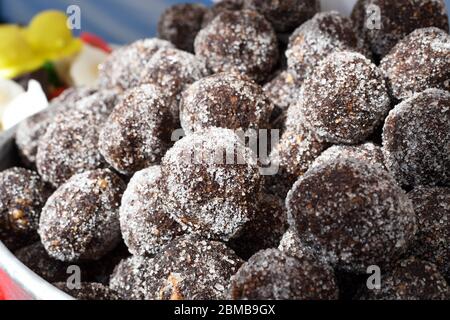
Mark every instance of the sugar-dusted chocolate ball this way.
pixel 283 89
pixel 406 74
pixel 432 242
pixel 345 100
pixel 88 291
pixel 30 130
pixel 416 139
pixel 318 37
pixel 351 213
pixel 210 180
pixel 180 24
pixel 284 15
pixel 190 268
pixel 22 196
pixel 271 274
pixel 131 277
pixel 138 132
pixel 239 41
pixel 80 221
pixel 367 152
pixel 146 226
pixel 124 66
pixel 173 70
pixel 70 143
pixel 383 23
pixel 225 100
pixel 411 279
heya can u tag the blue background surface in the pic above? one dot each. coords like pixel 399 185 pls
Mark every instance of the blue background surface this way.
pixel 117 21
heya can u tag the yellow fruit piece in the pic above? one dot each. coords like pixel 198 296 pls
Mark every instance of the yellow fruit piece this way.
pixel 16 55
pixel 49 35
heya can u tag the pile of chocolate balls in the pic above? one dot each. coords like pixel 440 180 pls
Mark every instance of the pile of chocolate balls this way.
pixel 108 182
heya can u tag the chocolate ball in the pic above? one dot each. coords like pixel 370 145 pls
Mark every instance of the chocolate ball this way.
pixel 22 196
pixel 138 132
pixel 284 15
pixel 383 23
pixel 210 180
pixel 416 139
pixel 225 100
pixel 351 213
pixel 411 279
pixel 313 41
pixel 80 221
pixel 406 74
pixel 345 100
pixel 239 41
pixel 272 275
pixel 146 227
pixel 124 65
pixel 180 24
pixel 70 143
pixel 432 242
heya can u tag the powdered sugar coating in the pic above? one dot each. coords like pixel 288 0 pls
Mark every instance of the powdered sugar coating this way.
pixel 283 89
pixel 123 67
pixel 365 152
pixel 192 269
pixel 70 144
pixel 318 37
pixel 131 276
pixel 416 139
pixel 284 15
pixel 80 221
pixel 239 41
pixel 412 279
pixel 432 243
pixel 180 24
pixel 352 214
pixel 264 230
pixel 271 274
pixel 137 133
pixel 226 100
pixel 292 245
pixel 418 62
pixel 89 291
pixel 33 128
pixel 145 226
pixel 189 268
pixel 173 70
pixel 210 180
pixel 345 100
pixel 397 19
pixel 22 196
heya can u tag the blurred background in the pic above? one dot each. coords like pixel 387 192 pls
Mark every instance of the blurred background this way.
pixel 117 21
